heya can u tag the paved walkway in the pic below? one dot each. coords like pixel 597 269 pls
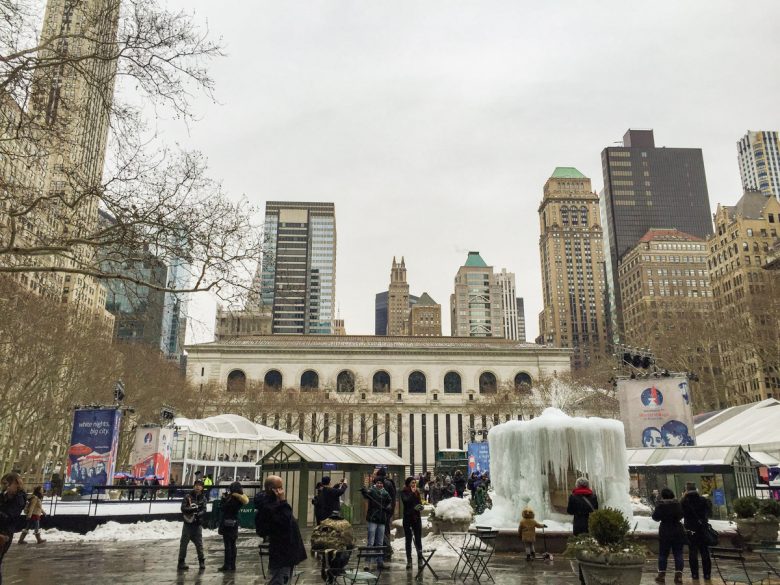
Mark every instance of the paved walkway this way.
pixel 145 562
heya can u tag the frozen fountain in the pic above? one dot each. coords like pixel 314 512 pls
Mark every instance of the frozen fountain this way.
pixel 535 463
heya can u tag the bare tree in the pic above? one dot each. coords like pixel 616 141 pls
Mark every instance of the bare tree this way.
pixel 61 118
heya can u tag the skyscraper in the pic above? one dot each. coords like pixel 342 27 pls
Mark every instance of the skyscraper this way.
pixel 475 306
pixel 759 162
pixel 521 335
pixel 647 187
pixel 398 300
pixel 425 318
pixel 508 303
pixel 571 249
pixel 297 277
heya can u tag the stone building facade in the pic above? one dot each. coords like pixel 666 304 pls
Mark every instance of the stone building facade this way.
pixel 425 318
pixel 415 395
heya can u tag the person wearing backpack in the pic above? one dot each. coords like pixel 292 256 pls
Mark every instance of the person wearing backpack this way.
pixel 582 503
pixel 696 512
pixel 232 501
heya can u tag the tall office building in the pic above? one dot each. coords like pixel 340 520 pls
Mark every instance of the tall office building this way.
pixel 71 99
pixel 647 187
pixel 759 162
pixel 747 296
pixel 521 335
pixel 425 318
pixel 572 255
pixel 297 277
pixel 508 303
pixel 398 300
pixel 663 278
pixel 475 306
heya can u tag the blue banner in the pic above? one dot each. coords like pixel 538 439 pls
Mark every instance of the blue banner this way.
pixel 93 446
pixel 479 457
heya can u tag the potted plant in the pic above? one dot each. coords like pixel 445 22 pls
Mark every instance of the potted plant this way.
pixel 606 555
pixel 757 520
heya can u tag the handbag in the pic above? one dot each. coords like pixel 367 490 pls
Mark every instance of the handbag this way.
pixel 709 536
pixel 229 522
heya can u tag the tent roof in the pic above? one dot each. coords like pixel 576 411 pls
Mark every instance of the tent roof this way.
pixel 233 426
pixel 755 426
pixel 683 456
pixel 345 454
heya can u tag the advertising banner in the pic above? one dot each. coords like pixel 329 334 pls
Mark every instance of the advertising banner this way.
pixel 656 412
pixel 479 457
pixel 93 446
pixel 151 454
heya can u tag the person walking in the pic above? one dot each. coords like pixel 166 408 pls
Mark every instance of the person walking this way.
pixel 527 532
pixel 671 534
pixel 582 503
pixel 172 488
pixel 275 522
pixel 131 489
pixel 696 511
pixel 329 499
pixel 232 500
pixel 34 512
pixel 411 498
pixel 12 502
pixel 378 513
pixel 459 481
pixel 193 509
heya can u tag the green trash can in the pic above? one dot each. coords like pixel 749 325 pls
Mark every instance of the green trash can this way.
pixel 246 515
pixel 346 512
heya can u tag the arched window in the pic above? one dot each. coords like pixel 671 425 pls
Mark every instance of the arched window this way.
pixel 381 382
pixel 487 383
pixel 523 382
pixel 584 215
pixel 273 380
pixel 750 232
pixel 236 381
pixel 452 384
pixel 310 380
pixel 345 381
pixel 417 383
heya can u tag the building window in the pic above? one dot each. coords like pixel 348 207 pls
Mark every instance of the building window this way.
pixel 236 381
pixel 523 382
pixel 417 383
pixel 487 383
pixel 381 382
pixel 452 383
pixel 273 380
pixel 310 380
pixel 345 381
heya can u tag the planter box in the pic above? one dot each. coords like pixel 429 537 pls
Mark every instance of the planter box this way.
pixel 440 525
pixel 602 574
pixel 757 530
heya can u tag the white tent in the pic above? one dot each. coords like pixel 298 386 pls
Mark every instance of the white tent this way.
pixel 756 427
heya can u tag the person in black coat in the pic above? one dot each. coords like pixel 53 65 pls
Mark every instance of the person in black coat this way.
pixel 329 499
pixel 696 511
pixel 232 500
pixel 582 503
pixel 275 522
pixel 12 502
pixel 412 520
pixel 389 484
pixel 671 534
pixel 193 509
pixel 459 481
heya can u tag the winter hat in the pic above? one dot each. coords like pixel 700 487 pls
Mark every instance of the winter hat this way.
pixel 528 513
pixel 235 488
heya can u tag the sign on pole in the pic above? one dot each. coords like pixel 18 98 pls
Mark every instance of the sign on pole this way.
pixel 93 446
pixel 151 454
pixel 656 412
pixel 479 457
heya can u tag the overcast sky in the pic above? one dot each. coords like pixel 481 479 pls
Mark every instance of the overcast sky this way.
pixel 433 125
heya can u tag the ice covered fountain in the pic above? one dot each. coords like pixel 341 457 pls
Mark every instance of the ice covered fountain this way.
pixel 536 462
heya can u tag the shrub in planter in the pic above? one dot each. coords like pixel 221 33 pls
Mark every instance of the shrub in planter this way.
pixel 71 494
pixel 757 520
pixel 607 555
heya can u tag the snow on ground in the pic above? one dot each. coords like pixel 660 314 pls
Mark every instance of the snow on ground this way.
pixel 433 541
pixel 113 531
pixel 639 508
pixel 454 509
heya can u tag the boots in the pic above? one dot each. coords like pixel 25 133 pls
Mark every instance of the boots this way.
pixel 181 566
pixel 202 564
pixel 661 577
pixel 678 577
pixel 38 538
pixel 408 563
pixel 23 536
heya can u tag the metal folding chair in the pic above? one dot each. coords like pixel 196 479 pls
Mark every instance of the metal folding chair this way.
pixel 457 541
pixel 366 556
pixel 480 551
pixel 263 550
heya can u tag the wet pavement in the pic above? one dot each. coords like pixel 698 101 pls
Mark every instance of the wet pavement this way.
pixel 145 562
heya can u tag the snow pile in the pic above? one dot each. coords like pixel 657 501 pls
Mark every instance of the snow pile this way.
pixel 639 508
pixel 434 541
pixel 113 531
pixel 453 509
pixel 524 453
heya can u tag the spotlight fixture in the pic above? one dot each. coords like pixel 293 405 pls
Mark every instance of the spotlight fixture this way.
pixel 167 413
pixel 119 391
